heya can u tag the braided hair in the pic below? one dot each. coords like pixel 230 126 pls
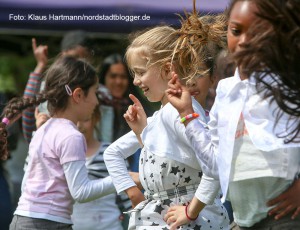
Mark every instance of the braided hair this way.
pixel 64 71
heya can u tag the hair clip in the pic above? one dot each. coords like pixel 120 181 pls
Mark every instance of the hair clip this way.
pixel 5 120
pixel 68 90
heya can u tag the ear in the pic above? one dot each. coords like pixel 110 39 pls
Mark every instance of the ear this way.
pixel 77 95
pixel 168 68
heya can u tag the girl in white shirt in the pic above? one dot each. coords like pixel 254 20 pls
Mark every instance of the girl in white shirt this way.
pixel 245 144
pixel 169 170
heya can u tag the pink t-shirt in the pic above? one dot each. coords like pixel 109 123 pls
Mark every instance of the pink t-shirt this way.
pixel 45 189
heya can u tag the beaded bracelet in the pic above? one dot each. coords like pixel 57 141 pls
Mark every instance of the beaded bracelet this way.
pixel 187 216
pixel 189 116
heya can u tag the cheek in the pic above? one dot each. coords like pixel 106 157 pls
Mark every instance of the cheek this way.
pixel 232 43
pixel 108 82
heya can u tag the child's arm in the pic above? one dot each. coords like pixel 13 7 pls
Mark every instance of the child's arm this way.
pixel 206 193
pixel 114 157
pixel 287 202
pixel 81 187
pixel 179 214
pixel 136 117
pixel 200 137
pixel 32 88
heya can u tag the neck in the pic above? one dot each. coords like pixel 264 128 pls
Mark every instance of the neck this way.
pixel 92 145
pixel 242 74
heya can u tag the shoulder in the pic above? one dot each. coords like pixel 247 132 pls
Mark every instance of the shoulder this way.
pixel 225 84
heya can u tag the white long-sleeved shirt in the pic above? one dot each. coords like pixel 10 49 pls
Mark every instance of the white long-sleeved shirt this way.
pixel 214 146
pixel 172 143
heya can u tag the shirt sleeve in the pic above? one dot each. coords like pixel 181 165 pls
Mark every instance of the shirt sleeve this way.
pixel 205 149
pixel 73 148
pixel 28 120
pixel 114 157
pixel 81 187
pixel 208 190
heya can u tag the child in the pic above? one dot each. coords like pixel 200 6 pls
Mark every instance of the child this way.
pixel 241 143
pixel 102 213
pixel 169 172
pixel 76 43
pixel 279 51
pixel 56 172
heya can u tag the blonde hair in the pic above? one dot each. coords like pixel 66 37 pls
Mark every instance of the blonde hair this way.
pixel 156 45
pixel 196 44
pixel 201 40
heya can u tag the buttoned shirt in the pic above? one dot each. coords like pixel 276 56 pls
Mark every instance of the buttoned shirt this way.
pixel 214 144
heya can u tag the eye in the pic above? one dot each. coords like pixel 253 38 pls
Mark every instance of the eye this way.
pixel 235 31
pixel 139 73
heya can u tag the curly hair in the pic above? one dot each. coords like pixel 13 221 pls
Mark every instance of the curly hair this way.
pixel 64 71
pixel 272 52
pixel 200 41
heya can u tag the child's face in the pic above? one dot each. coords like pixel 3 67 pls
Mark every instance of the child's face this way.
pixel 151 80
pixel 198 87
pixel 116 80
pixel 241 18
pixel 89 102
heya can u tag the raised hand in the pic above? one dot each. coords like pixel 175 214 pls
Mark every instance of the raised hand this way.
pixel 41 56
pixel 287 202
pixel 40 118
pixel 179 96
pixel 135 116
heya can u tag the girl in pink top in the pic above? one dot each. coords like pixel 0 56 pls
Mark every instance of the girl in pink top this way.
pixel 56 173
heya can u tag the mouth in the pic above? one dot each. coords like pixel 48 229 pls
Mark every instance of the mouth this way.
pixel 145 90
pixel 195 93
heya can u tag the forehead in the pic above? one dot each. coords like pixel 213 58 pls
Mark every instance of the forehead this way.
pixel 138 58
pixel 243 12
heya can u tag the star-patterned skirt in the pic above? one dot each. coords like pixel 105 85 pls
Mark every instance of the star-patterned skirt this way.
pixel 159 174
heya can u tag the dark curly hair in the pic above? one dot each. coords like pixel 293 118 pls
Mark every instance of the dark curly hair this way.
pixel 64 71
pixel 272 52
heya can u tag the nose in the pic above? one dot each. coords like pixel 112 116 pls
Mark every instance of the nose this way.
pixel 191 83
pixel 136 81
pixel 242 40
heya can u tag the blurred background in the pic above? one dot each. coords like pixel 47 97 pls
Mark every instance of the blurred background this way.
pixel 20 20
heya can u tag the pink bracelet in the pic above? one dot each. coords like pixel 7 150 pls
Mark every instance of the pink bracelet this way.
pixel 187 216
pixel 189 116
pixel 5 120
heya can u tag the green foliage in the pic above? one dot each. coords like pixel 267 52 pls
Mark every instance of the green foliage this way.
pixel 14 71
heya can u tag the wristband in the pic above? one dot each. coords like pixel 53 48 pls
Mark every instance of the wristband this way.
pixel 187 216
pixel 189 116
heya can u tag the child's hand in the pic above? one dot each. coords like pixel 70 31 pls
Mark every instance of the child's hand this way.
pixel 41 55
pixel 135 177
pixel 135 116
pixel 176 217
pixel 179 96
pixel 135 195
pixel 40 118
pixel 287 202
